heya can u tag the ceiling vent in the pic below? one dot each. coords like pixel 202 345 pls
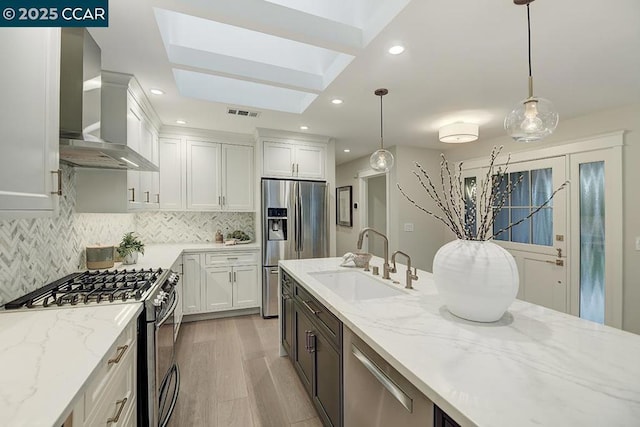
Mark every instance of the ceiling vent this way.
pixel 243 113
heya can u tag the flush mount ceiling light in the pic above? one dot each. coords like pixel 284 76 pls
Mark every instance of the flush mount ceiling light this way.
pixel 304 127
pixel 457 133
pixel 396 50
pixel 346 150
pixel 533 118
pixel 181 122
pixel 336 101
pixel 157 91
pixel 381 160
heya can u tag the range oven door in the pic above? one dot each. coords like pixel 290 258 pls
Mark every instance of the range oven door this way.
pixel 167 375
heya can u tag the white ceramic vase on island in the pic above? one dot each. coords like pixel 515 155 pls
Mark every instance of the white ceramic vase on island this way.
pixel 478 280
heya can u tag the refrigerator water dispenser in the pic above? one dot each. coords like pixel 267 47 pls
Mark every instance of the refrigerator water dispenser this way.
pixel 277 224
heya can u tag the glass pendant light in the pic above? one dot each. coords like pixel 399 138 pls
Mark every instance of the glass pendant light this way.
pixel 381 160
pixel 533 118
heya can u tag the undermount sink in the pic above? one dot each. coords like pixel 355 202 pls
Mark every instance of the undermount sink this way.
pixel 355 285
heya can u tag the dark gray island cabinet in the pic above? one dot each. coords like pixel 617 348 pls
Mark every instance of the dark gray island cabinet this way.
pixel 349 383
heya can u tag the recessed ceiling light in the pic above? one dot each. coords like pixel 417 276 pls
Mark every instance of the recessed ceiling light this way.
pixel 336 101
pixel 396 50
pixel 346 150
pixel 157 91
pixel 181 122
pixel 304 127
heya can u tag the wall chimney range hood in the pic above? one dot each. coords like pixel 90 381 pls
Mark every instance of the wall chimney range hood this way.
pixel 80 109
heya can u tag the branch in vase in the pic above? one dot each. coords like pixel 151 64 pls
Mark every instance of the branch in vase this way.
pixel 454 230
pixel 435 197
pixel 532 212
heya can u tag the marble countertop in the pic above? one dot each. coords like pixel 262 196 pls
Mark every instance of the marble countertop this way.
pixel 534 367
pixel 163 255
pixel 47 357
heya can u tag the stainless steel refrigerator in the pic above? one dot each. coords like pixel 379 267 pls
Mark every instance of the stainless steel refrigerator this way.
pixel 294 226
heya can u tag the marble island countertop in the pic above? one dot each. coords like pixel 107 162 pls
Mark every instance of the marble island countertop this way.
pixel 534 367
pixel 47 357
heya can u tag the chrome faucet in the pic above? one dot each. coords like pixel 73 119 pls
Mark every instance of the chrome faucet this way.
pixel 385 268
pixel 410 277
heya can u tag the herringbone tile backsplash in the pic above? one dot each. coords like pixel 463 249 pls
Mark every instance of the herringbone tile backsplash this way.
pixel 36 251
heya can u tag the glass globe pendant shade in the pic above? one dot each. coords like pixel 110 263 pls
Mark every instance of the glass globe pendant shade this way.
pixel 531 120
pixel 381 160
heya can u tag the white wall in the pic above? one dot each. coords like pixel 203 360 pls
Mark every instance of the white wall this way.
pixel 377 210
pixel 427 237
pixel 627 118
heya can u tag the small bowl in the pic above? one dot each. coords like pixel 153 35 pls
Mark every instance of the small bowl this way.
pixel 361 259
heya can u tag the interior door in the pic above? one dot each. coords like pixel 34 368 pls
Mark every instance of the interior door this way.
pixel 539 244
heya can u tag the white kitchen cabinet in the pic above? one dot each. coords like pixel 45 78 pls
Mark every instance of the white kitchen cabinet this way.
pixel 132 139
pixel 215 281
pixel 206 176
pixel 149 183
pixel 218 292
pixel 29 120
pixel 237 178
pixel 172 174
pixel 178 313
pixel 191 284
pixel 294 160
pixel 203 176
pixel 246 291
pixel 110 396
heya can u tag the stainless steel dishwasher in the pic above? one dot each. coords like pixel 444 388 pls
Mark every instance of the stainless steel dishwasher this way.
pixel 375 394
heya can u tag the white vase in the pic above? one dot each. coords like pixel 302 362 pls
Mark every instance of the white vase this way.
pixel 130 259
pixel 478 280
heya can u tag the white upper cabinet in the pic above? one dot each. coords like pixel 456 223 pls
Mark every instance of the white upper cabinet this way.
pixel 293 159
pixel 237 178
pixel 203 176
pixel 172 175
pixel 29 120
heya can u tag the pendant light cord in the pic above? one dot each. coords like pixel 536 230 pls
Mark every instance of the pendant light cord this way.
pixel 529 37
pixel 381 139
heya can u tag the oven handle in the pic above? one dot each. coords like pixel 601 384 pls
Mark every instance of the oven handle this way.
pixel 169 312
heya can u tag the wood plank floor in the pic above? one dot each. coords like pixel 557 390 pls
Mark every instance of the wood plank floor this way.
pixel 231 376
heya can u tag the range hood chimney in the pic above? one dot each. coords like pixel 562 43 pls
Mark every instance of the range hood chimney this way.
pixel 80 109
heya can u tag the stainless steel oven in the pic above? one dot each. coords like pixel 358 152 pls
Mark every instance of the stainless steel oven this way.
pixel 158 371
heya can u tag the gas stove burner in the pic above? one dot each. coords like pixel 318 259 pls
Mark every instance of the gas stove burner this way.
pixel 92 287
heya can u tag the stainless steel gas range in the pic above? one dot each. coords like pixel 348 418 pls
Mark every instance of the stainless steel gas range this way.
pixel 158 373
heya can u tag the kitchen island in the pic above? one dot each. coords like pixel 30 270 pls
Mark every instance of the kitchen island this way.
pixel 534 367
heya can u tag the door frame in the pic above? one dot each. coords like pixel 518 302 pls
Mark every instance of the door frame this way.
pixel 609 146
pixel 363 184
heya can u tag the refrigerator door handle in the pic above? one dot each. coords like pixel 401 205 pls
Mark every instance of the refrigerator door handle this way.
pixel 300 221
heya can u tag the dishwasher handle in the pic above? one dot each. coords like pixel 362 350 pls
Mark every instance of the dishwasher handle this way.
pixel 383 379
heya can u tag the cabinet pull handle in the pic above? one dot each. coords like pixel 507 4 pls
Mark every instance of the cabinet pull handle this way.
pixel 306 304
pixel 147 194
pixel 297 169
pixel 293 168
pixel 386 382
pixel 220 200
pixel 121 351
pixel 235 277
pixel 59 173
pixel 312 342
pixel 232 258
pixel 133 194
pixel 116 417
pixel 230 281
pixel 306 344
pixel 158 198
pixel 224 200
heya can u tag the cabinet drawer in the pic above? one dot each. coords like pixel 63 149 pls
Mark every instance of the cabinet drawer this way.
pixel 118 398
pixel 326 321
pixel 231 258
pixel 118 356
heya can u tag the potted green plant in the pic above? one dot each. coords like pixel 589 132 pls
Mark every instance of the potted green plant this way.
pixel 129 248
